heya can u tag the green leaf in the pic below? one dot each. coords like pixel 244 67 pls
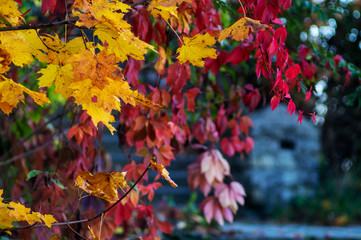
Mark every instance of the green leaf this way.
pixel 33 173
pixel 58 183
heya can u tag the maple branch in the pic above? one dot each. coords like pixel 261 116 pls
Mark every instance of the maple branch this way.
pixel 38 26
pixel 67 223
pixel 25 154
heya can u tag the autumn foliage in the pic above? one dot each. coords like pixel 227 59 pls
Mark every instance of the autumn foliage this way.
pixel 92 59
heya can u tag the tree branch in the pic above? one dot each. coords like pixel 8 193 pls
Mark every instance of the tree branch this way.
pixel 89 219
pixel 38 26
pixel 17 157
pixel 21 143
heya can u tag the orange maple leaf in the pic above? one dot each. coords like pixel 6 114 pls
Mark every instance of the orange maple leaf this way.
pixel 99 85
pixel 239 31
pixel 163 172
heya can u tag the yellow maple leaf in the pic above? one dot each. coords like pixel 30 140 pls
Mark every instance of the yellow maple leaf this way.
pixel 14 212
pixel 5 60
pixel 165 8
pixel 122 42
pixel 18 48
pixel 164 11
pixel 103 184
pixel 11 93
pixel 48 219
pixel 239 31
pixel 59 52
pixel 197 48
pixel 98 11
pixel 10 12
pixel 163 172
pixel 61 76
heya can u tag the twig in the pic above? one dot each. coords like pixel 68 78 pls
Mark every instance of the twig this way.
pixel 38 26
pixel 73 230
pixel 89 219
pixel 44 42
pixel 25 154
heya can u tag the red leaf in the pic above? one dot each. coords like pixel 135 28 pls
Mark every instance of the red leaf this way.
pixel 132 70
pixel 275 101
pixel 308 95
pixel 238 55
pixel 300 117
pixel 227 147
pixel 191 95
pixel 72 131
pixel 249 144
pixel 54 6
pixel 272 50
pixel 221 121
pixel 251 99
pixel 292 72
pixel 48 5
pixel 165 227
pixel 19 1
pixel 215 64
pixel 291 107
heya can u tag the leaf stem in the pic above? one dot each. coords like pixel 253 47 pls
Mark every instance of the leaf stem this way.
pixel 174 32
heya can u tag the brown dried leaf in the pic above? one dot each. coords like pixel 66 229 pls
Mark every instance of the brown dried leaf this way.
pixel 103 184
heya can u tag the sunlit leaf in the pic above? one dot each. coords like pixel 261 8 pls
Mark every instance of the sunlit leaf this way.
pixel 197 48
pixel 103 184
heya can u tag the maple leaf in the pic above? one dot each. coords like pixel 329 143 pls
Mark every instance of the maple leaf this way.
pixel 61 76
pixel 239 31
pixel 21 46
pixel 163 8
pixel 163 172
pixel 10 12
pixel 122 42
pixel 197 48
pixel 14 212
pixel 59 52
pixel 103 184
pixel 99 84
pixel 97 11
pixel 5 60
pixel 11 93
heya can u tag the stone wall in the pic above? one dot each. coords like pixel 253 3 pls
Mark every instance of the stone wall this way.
pixel 284 163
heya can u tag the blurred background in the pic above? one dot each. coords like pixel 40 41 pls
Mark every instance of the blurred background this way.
pixel 310 173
